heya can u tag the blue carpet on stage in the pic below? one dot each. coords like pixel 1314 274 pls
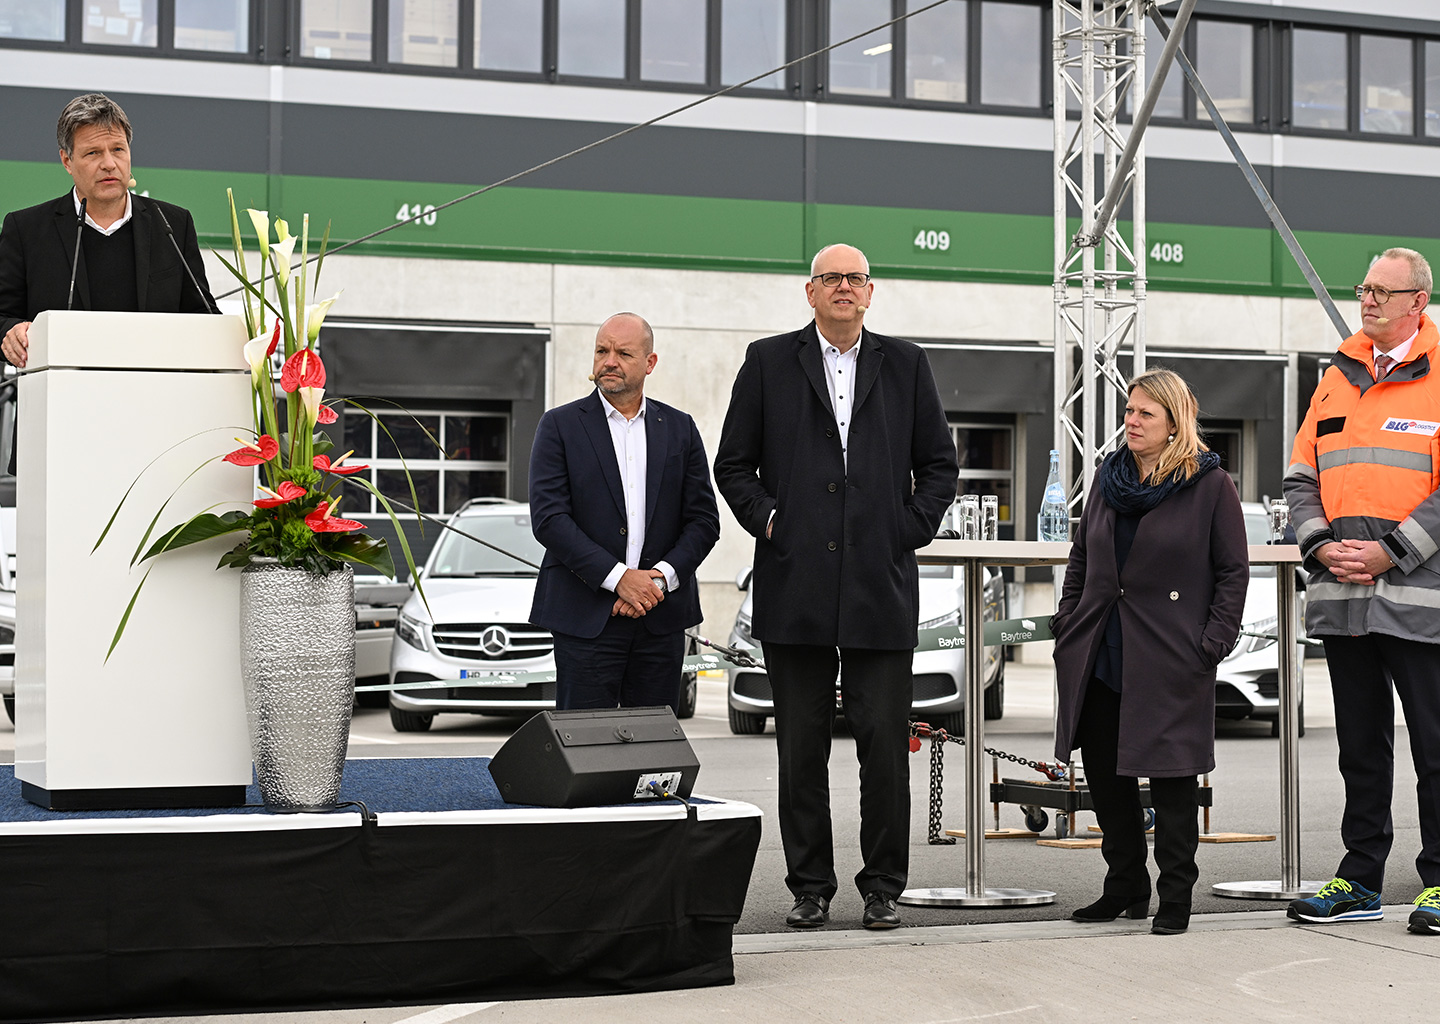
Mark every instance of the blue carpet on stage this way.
pixel 383 785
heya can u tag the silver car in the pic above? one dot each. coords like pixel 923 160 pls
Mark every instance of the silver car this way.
pixel 1247 682
pixel 471 630
pixel 939 675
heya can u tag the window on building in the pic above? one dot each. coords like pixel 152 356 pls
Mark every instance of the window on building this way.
pixel 987 462
pixel 472 460
pixel 1171 102
pixel 509 35
pixel 1225 60
pixel 220 26
pixel 1387 85
pixel 336 30
pixel 861 68
pixel 119 23
pixel 1010 54
pixel 1319 79
pixel 591 39
pixel 672 41
pixel 1226 438
pixel 752 40
pixel 935 52
pixel 1432 88
pixel 32 19
pixel 425 32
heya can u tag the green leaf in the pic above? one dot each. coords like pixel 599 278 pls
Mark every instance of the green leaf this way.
pixel 365 550
pixel 124 619
pixel 203 526
pixel 250 288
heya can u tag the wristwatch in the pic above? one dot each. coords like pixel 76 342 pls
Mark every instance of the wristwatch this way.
pixel 659 581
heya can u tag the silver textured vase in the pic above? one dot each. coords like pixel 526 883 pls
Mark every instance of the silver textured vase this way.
pixel 297 660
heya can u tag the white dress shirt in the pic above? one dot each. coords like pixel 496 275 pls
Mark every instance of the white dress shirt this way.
pixel 840 379
pixel 129 211
pixel 628 437
pixel 1400 351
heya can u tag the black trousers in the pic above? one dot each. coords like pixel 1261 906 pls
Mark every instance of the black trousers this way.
pixel 626 666
pixel 877 689
pixel 1362 669
pixel 1122 819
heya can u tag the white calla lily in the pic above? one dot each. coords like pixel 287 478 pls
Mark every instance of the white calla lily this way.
pixel 315 316
pixel 261 220
pixel 257 353
pixel 280 254
pixel 282 229
pixel 312 397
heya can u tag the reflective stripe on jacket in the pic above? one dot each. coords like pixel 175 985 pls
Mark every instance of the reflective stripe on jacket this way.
pixel 1366 466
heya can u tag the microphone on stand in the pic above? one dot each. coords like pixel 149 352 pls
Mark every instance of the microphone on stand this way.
pixel 75 262
pixel 170 234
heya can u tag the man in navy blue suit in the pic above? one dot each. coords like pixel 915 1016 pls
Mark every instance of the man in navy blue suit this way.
pixel 620 497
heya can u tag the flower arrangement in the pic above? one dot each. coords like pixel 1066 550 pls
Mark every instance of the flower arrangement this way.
pixel 295 519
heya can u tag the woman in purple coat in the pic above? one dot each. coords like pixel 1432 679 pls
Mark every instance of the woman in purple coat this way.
pixel 1152 602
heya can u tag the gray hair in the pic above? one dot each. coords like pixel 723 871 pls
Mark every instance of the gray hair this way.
pixel 816 261
pixel 94 108
pixel 1420 275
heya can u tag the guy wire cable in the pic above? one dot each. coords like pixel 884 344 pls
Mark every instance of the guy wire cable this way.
pixel 597 143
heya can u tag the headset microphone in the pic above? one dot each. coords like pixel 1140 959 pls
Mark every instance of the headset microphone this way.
pixel 1382 319
pixel 591 378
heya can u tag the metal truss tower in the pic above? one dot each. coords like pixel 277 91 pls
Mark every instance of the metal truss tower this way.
pixel 1099 68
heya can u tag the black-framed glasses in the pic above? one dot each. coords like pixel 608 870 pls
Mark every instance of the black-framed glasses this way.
pixel 1382 295
pixel 831 280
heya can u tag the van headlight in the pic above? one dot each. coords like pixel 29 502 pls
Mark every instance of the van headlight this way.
pixel 411 630
pixel 950 618
pixel 1249 644
pixel 741 634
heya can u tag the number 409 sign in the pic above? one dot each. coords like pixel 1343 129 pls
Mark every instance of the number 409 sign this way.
pixel 931 240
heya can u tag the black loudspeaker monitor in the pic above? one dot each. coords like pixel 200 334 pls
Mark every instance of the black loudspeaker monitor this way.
pixel 590 758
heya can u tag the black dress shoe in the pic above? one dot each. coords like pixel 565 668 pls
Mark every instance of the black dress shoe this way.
pixel 1171 919
pixel 1108 908
pixel 880 911
pixel 811 910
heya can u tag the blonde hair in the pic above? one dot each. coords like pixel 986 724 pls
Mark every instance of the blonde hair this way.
pixel 1181 455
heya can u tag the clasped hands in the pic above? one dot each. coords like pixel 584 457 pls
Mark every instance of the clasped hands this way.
pixel 636 592
pixel 1355 561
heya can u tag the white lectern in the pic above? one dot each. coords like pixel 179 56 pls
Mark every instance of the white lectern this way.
pixel 162 723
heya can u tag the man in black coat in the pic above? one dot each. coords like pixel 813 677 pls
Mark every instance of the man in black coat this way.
pixel 126 262
pixel 837 457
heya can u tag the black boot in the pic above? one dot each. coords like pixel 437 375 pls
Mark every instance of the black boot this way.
pixel 1108 908
pixel 1171 919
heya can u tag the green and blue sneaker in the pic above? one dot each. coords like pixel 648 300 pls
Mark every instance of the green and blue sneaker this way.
pixel 1339 900
pixel 1425 918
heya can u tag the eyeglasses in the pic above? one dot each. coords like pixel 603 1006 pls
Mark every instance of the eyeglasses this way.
pixel 1382 295
pixel 832 280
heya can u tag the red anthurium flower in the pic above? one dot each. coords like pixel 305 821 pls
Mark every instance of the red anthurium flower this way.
pixel 288 492
pixel 274 340
pixel 302 370
pixel 324 465
pixel 262 450
pixel 326 415
pixel 321 521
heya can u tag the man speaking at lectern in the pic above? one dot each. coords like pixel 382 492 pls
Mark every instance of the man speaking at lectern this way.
pixel 125 263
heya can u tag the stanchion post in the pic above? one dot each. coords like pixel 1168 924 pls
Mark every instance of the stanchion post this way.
pixel 974 726
pixel 1289 885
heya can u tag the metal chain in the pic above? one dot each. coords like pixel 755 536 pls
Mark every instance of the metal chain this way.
pixel 1052 772
pixel 736 657
pixel 937 799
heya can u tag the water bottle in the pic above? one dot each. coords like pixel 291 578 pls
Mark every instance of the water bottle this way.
pixel 1054 519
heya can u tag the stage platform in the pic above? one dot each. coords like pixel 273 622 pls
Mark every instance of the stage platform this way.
pixel 441 893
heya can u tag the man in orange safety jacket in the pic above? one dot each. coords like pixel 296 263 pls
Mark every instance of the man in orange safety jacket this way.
pixel 1364 493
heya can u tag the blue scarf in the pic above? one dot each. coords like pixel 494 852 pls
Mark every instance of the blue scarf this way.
pixel 1123 490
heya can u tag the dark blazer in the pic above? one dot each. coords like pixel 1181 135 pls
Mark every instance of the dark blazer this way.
pixel 1181 599
pixel 577 510
pixel 839 568
pixel 37 247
